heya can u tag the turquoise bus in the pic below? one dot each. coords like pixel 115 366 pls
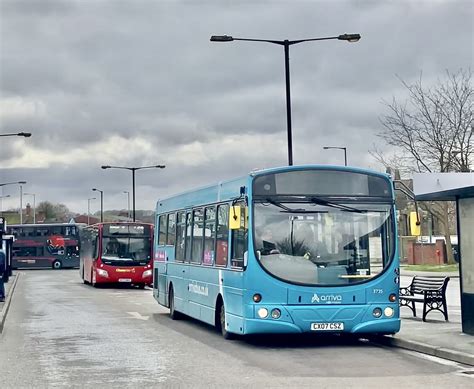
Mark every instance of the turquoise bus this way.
pixel 283 250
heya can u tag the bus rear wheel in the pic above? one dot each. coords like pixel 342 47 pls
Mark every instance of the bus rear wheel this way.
pixel 174 315
pixel 57 264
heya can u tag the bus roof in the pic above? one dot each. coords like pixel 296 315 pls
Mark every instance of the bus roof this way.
pixel 228 190
pixel 46 225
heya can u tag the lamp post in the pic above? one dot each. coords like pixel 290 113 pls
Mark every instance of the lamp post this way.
pixel 25 134
pixel 133 170
pixel 34 205
pixel 128 202
pixel 286 44
pixel 89 209
pixel 338 148
pixel 21 195
pixel 1 202
pixel 101 203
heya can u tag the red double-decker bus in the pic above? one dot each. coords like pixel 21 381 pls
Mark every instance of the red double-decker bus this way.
pixel 117 253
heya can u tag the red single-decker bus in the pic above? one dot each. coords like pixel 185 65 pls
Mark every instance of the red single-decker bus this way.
pixel 117 253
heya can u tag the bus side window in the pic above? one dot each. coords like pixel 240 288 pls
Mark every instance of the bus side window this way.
pixel 180 236
pixel 189 235
pixel 239 243
pixel 197 232
pixel 222 237
pixel 171 237
pixel 95 244
pixel 162 230
pixel 209 235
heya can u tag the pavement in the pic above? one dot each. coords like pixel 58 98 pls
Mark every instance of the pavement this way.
pixel 436 337
pixel 5 305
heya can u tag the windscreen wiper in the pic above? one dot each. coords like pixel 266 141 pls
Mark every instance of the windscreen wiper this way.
pixel 284 207
pixel 319 201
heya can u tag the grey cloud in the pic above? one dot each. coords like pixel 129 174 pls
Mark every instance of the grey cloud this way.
pixel 147 69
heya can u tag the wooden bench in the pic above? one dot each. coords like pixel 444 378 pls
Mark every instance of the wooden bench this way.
pixel 431 291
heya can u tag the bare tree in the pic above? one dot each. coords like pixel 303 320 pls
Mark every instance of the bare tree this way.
pixel 432 132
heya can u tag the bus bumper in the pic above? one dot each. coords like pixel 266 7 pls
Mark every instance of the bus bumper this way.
pixel 300 319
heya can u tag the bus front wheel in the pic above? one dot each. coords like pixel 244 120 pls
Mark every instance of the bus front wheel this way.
pixel 174 315
pixel 222 324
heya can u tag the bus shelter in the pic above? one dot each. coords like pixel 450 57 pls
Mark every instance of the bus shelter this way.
pixel 458 187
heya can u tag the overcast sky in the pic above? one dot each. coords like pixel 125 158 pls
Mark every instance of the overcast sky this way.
pixel 137 83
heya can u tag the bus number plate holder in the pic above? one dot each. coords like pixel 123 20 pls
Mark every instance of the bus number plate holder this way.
pixel 327 326
pixel 125 280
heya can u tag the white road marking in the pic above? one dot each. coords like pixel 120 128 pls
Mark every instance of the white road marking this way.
pixel 136 315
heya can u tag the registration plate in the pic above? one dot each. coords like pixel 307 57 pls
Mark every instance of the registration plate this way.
pixel 125 280
pixel 327 326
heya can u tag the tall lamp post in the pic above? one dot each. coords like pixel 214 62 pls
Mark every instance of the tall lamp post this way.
pixel 128 202
pixel 1 202
pixel 34 205
pixel 89 209
pixel 286 44
pixel 338 148
pixel 101 203
pixel 133 170
pixel 21 195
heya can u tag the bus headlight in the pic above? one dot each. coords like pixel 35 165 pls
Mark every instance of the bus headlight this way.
pixel 102 273
pixel 377 312
pixel 146 273
pixel 262 313
pixel 388 312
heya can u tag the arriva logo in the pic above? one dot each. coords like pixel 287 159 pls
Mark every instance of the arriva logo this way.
pixel 326 298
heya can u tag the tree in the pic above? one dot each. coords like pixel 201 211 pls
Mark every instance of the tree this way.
pixel 53 212
pixel 432 132
pixel 46 208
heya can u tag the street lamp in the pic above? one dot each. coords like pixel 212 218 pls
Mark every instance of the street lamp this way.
pixel 286 44
pixel 89 209
pixel 21 195
pixel 25 134
pixel 128 202
pixel 101 203
pixel 34 205
pixel 133 170
pixel 1 202
pixel 338 148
